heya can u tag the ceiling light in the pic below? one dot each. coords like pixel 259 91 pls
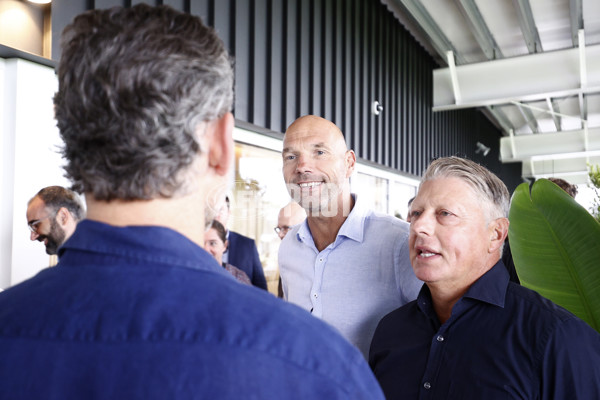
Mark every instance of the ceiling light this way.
pixel 40 1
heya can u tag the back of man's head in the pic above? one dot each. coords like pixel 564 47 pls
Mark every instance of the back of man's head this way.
pixel 56 197
pixel 135 85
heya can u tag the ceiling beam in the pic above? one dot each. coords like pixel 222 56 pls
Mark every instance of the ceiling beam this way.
pixel 576 16
pixel 552 146
pixel 440 42
pixel 528 27
pixel 530 119
pixel 534 77
pixel 554 111
pixel 479 29
pixel 501 118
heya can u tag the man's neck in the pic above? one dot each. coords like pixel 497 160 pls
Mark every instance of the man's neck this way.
pixel 183 214
pixel 445 295
pixel 323 229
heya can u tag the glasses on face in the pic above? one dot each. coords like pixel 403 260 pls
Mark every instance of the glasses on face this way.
pixel 35 224
pixel 282 229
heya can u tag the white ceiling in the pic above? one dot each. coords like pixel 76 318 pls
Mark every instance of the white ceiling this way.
pixel 523 63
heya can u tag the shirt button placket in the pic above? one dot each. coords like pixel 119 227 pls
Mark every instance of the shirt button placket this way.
pixel 315 292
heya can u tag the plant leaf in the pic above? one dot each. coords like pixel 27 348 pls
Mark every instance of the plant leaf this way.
pixel 555 245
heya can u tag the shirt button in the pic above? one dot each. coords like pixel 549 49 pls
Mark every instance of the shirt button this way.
pixel 315 295
pixel 427 385
pixel 440 338
pixel 320 260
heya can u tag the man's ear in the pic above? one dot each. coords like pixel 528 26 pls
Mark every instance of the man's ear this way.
pixel 350 162
pixel 498 233
pixel 62 216
pixel 220 154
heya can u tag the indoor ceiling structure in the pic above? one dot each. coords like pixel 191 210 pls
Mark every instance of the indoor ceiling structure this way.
pixel 532 66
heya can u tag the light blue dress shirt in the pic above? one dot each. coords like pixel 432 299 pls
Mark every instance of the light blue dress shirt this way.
pixel 360 277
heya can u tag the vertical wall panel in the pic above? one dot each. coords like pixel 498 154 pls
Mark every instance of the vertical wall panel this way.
pixel 275 77
pixel 304 58
pixel 202 8
pixel 290 89
pixel 223 14
pixel 258 47
pixel 243 63
pixel 333 58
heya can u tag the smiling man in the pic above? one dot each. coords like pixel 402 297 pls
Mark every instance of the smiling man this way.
pixel 472 334
pixel 52 216
pixel 345 263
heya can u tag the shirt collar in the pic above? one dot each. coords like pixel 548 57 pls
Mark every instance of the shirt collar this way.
pixel 152 243
pixel 352 228
pixel 489 288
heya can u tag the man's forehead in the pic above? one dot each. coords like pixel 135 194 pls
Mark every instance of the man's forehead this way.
pixel 35 207
pixel 445 189
pixel 313 139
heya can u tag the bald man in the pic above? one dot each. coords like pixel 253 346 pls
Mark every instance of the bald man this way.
pixel 347 264
pixel 289 215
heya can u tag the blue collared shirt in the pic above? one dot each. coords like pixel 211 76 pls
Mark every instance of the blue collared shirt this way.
pixel 144 313
pixel 502 341
pixel 364 274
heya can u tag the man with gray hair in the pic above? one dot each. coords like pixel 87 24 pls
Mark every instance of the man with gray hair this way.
pixel 136 308
pixel 471 333
pixel 52 216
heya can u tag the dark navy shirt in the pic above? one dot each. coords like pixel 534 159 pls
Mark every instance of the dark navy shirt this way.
pixel 144 313
pixel 502 341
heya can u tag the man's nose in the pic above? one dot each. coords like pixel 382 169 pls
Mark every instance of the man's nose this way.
pixel 304 164
pixel 423 224
pixel 33 236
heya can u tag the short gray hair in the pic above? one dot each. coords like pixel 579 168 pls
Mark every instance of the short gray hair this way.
pixel 134 86
pixel 487 185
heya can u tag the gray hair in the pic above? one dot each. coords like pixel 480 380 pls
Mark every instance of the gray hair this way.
pixel 489 187
pixel 56 197
pixel 135 85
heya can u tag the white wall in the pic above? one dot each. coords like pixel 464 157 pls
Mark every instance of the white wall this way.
pixel 30 161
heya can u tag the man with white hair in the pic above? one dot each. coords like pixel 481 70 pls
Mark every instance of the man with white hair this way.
pixel 472 334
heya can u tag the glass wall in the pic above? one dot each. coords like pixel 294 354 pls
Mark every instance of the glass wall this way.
pixel 257 194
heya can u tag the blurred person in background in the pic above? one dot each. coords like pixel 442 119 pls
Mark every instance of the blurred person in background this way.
pixel 52 216
pixel 241 251
pixel 216 244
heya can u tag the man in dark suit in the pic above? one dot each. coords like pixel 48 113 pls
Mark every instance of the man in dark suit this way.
pixel 241 251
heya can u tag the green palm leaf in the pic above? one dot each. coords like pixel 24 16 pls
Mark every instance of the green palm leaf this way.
pixel 555 245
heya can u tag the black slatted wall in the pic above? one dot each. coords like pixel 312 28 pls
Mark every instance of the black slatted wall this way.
pixel 334 58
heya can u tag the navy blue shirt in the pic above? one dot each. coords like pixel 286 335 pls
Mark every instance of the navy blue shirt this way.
pixel 502 341
pixel 144 313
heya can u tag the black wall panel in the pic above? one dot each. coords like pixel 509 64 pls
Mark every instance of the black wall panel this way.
pixel 334 58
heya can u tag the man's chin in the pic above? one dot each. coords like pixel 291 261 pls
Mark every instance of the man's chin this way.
pixel 51 249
